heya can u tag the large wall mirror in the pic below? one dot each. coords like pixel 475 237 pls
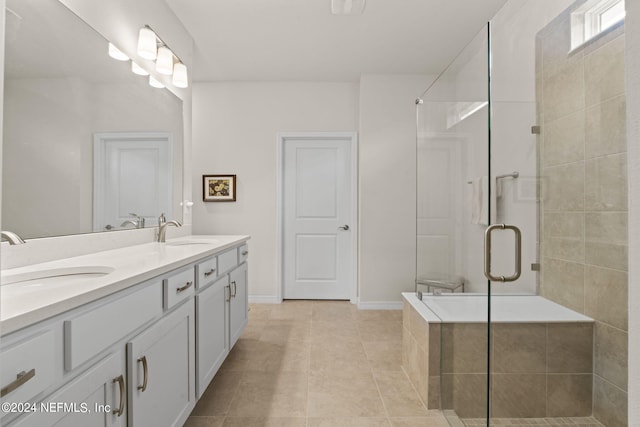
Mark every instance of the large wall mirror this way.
pixel 88 146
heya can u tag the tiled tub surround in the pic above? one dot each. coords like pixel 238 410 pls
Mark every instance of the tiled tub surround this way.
pixel 540 368
pixel 583 205
pixel 22 306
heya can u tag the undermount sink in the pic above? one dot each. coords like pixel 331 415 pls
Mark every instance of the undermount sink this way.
pixel 56 276
pixel 192 242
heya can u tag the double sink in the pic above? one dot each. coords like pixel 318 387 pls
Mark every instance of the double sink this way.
pixel 54 277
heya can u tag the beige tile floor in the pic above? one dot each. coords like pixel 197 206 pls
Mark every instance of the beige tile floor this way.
pixel 315 364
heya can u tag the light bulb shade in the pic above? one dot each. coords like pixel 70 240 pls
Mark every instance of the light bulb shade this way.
pixel 180 78
pixel 164 63
pixel 147 47
pixel 138 69
pixel 116 53
pixel 155 83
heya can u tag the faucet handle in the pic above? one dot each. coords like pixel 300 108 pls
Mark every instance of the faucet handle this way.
pixel 162 219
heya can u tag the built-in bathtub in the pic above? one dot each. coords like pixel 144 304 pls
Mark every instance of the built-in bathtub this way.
pixel 541 355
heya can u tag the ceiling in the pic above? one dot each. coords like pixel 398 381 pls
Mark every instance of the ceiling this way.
pixel 300 40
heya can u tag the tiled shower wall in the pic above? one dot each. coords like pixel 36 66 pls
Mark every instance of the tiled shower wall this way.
pixel 581 110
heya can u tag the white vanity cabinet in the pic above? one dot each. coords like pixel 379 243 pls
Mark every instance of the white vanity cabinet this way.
pixel 221 311
pixel 238 304
pixel 161 367
pixel 212 314
pixel 96 398
pixel 139 357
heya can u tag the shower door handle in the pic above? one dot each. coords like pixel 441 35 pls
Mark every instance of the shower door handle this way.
pixel 487 253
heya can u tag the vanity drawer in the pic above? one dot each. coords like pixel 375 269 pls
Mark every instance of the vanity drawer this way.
pixel 32 360
pixel 206 272
pixel 243 253
pixel 178 287
pixel 113 320
pixel 227 260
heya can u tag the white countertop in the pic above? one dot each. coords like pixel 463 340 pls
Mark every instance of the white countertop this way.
pixel 22 306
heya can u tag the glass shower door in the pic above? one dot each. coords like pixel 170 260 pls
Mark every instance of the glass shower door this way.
pixel 453 212
pixel 518 339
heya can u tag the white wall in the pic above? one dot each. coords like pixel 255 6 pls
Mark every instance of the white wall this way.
pixel 234 132
pixel 632 59
pixel 235 127
pixel 387 186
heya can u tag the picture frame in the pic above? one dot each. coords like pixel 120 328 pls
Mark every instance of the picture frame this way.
pixel 219 188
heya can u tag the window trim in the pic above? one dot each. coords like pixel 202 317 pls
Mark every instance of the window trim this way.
pixel 586 21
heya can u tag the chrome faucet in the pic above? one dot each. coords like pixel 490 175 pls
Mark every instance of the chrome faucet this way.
pixel 12 238
pixel 162 230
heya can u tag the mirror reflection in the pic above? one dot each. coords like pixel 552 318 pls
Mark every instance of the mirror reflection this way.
pixel 88 145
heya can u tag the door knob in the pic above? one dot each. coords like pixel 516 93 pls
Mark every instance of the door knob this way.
pixel 344 227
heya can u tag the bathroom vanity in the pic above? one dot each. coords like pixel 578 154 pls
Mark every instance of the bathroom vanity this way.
pixel 130 336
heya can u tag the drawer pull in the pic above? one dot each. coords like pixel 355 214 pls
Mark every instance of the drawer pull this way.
pixel 21 378
pixel 145 372
pixel 184 288
pixel 244 253
pixel 120 410
pixel 210 272
pixel 235 289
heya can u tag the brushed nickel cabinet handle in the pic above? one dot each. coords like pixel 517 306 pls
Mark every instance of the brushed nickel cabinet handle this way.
pixel 210 272
pixel 184 288
pixel 21 378
pixel 244 253
pixel 145 371
pixel 227 299
pixel 235 289
pixel 120 410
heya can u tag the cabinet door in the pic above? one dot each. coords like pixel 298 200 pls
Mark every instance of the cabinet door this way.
pixel 160 364
pixel 239 304
pixel 96 398
pixel 212 330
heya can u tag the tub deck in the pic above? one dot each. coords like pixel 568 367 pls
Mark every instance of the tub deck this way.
pixel 541 355
pixel 472 308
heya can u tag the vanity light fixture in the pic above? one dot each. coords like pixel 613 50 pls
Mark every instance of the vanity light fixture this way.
pixel 147 47
pixel 155 83
pixel 136 69
pixel 164 63
pixel 152 47
pixel 180 75
pixel 116 53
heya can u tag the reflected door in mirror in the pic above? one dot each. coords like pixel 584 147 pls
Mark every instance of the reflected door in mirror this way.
pixel 132 179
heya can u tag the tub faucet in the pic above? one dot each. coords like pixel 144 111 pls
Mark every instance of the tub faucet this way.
pixel 162 230
pixel 12 238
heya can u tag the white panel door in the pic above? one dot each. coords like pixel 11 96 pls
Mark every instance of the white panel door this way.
pixel 132 175
pixel 439 206
pixel 317 206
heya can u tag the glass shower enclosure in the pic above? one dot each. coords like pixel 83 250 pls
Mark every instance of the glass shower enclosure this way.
pixel 515 205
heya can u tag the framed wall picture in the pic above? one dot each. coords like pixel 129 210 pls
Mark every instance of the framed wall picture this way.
pixel 219 188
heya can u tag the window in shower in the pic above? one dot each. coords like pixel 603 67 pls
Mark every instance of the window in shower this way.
pixel 594 18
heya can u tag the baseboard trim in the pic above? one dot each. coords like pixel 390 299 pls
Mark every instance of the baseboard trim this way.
pixel 264 299
pixel 380 305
